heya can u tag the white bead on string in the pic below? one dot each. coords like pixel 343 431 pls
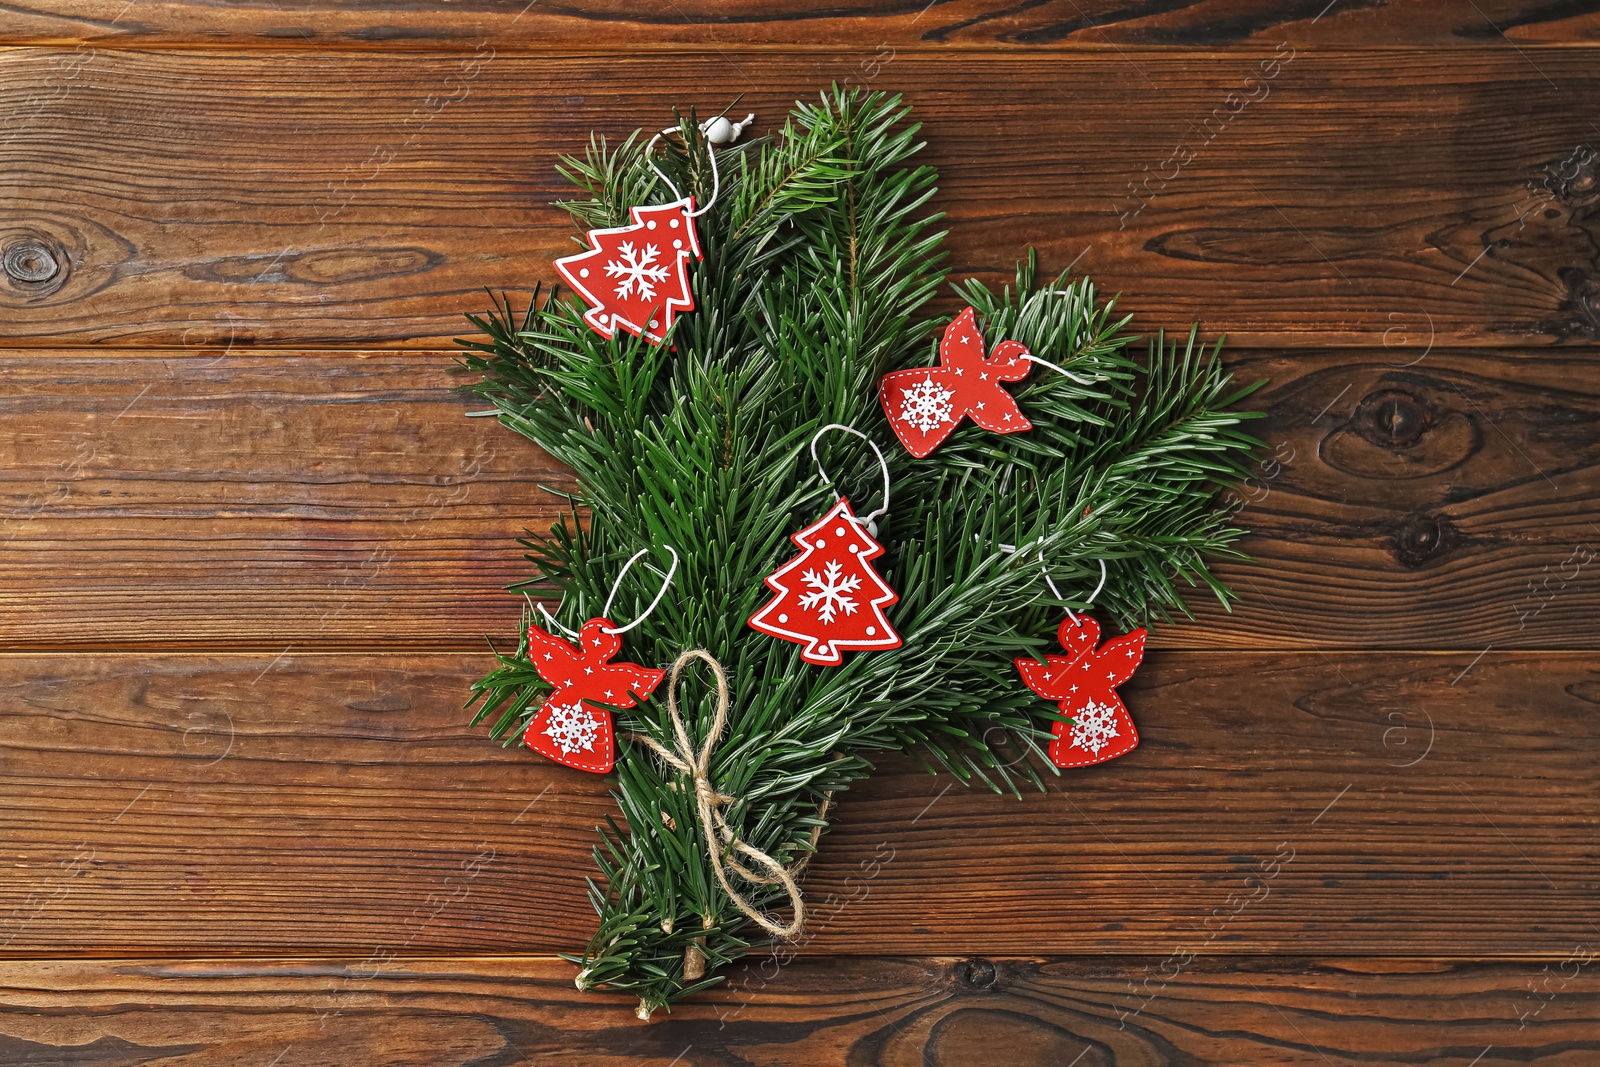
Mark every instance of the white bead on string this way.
pixel 714 134
pixel 720 131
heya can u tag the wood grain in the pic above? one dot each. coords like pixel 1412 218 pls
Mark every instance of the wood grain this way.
pixel 251 544
pixel 309 198
pixel 871 1012
pixel 861 27
pixel 214 500
pixel 323 501
pixel 1437 501
pixel 1348 804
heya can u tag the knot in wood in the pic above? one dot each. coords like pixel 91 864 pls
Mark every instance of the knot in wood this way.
pixel 1582 303
pixel 1576 177
pixel 1422 538
pixel 1391 418
pixel 976 973
pixel 30 261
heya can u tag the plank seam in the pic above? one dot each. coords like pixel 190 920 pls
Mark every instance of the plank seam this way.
pixel 1249 48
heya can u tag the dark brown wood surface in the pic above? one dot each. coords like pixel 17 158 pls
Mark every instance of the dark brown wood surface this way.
pixel 1437 805
pixel 250 546
pixel 890 1011
pixel 349 501
pixel 862 31
pixel 1283 197
pixel 345 498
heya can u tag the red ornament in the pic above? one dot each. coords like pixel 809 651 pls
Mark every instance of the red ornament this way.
pixel 925 403
pixel 636 278
pixel 1083 683
pixel 570 728
pixel 829 597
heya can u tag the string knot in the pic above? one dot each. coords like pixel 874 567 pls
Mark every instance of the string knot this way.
pixel 723 846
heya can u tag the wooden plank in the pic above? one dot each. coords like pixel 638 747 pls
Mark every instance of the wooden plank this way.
pixel 1348 804
pixel 890 27
pixel 1439 501
pixel 325 501
pixel 212 500
pixel 936 1012
pixel 311 197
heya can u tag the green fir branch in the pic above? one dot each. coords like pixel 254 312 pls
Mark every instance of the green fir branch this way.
pixel 820 260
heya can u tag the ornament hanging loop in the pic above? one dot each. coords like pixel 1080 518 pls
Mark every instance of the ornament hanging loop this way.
pixel 1031 358
pixel 1056 592
pixel 869 518
pixel 716 131
pixel 551 619
pixel 605 612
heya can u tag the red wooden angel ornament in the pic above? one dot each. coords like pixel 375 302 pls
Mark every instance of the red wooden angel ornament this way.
pixel 1083 683
pixel 829 598
pixel 924 404
pixel 573 726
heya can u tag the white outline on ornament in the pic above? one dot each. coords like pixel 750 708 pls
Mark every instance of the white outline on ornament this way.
pixel 810 642
pixel 671 308
pixel 868 518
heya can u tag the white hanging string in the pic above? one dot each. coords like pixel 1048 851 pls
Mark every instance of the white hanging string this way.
pixel 716 179
pixel 1057 592
pixel 551 619
pixel 1048 580
pixel 1051 582
pixel 605 612
pixel 637 556
pixel 1031 358
pixel 876 451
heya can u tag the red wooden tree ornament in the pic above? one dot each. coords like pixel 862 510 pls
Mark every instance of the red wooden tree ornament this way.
pixel 1083 683
pixel 925 404
pixel 636 278
pixel 570 727
pixel 829 597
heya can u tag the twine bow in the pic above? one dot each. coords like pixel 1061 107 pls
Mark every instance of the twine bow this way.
pixel 721 842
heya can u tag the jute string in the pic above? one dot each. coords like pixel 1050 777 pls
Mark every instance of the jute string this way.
pixel 722 844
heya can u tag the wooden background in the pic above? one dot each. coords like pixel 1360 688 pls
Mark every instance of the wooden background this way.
pixel 251 547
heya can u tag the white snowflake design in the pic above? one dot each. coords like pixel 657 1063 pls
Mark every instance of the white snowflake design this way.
pixel 1094 727
pixel 638 270
pixel 926 405
pixel 573 728
pixel 829 598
